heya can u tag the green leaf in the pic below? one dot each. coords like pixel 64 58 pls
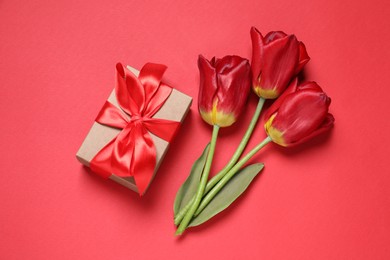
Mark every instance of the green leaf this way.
pixel 229 193
pixel 188 189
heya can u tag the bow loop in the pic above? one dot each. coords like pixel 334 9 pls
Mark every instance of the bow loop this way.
pixel 158 100
pixel 129 91
pixel 165 129
pixel 112 116
pixel 151 81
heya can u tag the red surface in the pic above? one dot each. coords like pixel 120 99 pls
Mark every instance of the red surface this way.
pixel 328 199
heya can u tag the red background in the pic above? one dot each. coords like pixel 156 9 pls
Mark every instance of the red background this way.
pixel 327 199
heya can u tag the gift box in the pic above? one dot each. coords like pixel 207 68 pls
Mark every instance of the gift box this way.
pixel 131 134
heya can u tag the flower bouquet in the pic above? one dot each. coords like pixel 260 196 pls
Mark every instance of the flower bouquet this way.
pixel 299 112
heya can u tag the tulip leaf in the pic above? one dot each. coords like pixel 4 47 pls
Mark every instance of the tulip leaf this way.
pixel 229 193
pixel 190 186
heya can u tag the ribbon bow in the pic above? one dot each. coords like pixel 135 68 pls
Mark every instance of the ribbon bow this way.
pixel 132 152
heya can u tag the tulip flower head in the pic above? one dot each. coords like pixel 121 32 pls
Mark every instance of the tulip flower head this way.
pixel 224 89
pixel 276 59
pixel 299 114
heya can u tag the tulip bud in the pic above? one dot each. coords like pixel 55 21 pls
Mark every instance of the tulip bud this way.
pixel 299 114
pixel 276 59
pixel 224 88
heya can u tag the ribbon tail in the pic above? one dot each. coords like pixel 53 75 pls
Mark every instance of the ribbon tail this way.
pixel 144 159
pixel 101 163
pixel 122 152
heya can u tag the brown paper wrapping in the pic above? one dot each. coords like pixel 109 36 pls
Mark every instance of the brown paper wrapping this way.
pixel 175 108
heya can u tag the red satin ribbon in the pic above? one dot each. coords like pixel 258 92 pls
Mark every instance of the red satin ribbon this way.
pixel 132 152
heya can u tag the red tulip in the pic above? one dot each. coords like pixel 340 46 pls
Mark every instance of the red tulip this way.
pixel 299 114
pixel 276 59
pixel 224 88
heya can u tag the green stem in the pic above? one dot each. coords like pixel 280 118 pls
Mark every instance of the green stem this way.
pixel 179 217
pixel 202 185
pixel 230 164
pixel 240 147
pixel 206 200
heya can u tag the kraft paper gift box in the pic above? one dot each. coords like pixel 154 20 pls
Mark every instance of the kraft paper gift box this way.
pixel 175 108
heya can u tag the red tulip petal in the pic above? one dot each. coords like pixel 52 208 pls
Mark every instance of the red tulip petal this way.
pixel 309 85
pixel 272 36
pixel 292 88
pixel 279 101
pixel 301 114
pixel 208 84
pixel 280 59
pixel 233 73
pixel 257 54
pixel 326 125
pixel 303 57
pixel 212 61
